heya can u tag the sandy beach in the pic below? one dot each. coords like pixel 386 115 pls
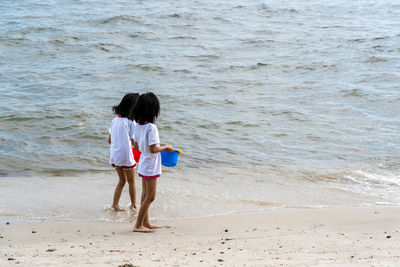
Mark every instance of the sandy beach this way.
pixel 356 236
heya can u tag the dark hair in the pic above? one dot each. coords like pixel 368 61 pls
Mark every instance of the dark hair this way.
pixel 125 108
pixel 147 108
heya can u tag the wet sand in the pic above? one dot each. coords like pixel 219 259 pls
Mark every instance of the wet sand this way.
pixel 298 237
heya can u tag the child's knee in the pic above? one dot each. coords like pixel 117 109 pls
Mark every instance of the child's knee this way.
pixel 150 198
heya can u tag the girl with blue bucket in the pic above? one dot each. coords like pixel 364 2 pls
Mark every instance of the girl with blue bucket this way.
pixel 147 141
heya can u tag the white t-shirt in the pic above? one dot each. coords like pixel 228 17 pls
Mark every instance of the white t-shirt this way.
pixel 146 135
pixel 121 132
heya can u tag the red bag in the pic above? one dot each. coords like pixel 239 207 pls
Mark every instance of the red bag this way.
pixel 136 154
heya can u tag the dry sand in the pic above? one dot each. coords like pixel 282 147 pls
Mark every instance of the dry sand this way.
pixel 352 236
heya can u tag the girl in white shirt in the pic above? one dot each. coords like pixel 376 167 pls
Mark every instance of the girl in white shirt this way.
pixel 121 157
pixel 147 141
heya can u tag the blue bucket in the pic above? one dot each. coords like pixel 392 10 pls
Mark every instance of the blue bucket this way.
pixel 170 159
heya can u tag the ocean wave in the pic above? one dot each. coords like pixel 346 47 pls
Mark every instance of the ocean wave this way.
pixel 108 47
pixel 357 40
pixel 146 67
pixel 30 29
pixel 358 177
pixel 183 38
pixel 186 71
pixel 354 93
pixel 374 178
pixel 120 19
pixel 256 66
pixel 7 41
pixel 317 67
pixel 203 57
pixel 374 60
pixel 184 16
pixel 379 38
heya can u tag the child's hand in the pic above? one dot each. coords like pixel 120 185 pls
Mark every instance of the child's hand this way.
pixel 169 149
pixel 135 145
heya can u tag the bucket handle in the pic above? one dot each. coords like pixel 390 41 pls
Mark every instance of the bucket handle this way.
pixel 180 151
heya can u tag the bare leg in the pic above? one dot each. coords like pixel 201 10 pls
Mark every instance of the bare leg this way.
pixel 144 186
pixel 146 222
pixel 130 177
pixel 118 189
pixel 148 196
pixel 143 192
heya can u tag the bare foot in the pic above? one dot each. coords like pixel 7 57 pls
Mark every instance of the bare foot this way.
pixel 133 208
pixel 142 229
pixel 153 226
pixel 118 208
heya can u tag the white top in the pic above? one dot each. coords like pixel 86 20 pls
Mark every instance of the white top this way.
pixel 121 132
pixel 147 135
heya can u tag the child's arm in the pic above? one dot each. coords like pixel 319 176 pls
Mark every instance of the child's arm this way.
pixel 109 139
pixel 155 149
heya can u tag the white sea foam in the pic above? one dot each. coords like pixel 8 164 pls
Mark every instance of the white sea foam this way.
pixel 386 178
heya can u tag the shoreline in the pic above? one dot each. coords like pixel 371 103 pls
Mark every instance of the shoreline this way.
pixel 178 196
pixel 17 220
pixel 340 236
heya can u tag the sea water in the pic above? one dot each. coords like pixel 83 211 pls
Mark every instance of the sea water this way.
pixel 274 104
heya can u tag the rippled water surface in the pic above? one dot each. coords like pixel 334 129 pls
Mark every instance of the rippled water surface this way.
pixel 264 98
